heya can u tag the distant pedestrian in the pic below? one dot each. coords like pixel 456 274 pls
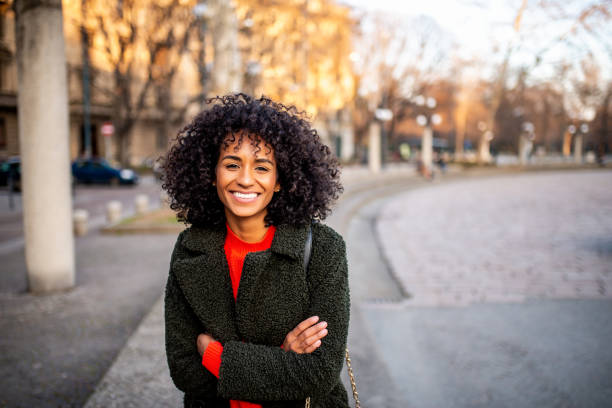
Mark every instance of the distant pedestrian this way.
pixel 246 322
pixel 440 162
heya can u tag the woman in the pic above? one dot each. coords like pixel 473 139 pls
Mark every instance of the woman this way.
pixel 247 324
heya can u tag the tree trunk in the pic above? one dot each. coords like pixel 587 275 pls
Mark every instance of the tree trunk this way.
pixel 226 75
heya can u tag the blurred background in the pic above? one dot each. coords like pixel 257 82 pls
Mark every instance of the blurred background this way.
pixel 476 148
pixel 492 73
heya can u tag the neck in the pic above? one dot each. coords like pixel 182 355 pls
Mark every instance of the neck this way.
pixel 249 230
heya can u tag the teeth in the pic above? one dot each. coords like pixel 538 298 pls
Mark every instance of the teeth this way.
pixel 245 196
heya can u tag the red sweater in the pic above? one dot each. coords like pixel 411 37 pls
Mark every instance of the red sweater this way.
pixel 235 252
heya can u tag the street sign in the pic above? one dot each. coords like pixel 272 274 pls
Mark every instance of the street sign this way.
pixel 107 129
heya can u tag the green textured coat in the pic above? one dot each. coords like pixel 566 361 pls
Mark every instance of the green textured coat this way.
pixel 275 294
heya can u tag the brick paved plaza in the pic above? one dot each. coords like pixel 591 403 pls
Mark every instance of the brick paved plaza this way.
pixel 510 282
pixel 503 239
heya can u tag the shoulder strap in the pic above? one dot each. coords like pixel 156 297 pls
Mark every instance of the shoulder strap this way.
pixel 347 357
pixel 308 249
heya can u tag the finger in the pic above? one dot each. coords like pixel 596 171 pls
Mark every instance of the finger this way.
pixel 293 334
pixel 311 331
pixel 312 347
pixel 314 338
pixel 306 324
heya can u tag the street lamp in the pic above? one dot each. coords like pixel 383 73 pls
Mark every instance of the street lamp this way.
pixel 431 103
pixel 575 133
pixel 580 132
pixel 427 120
pixel 484 145
pixel 526 141
pixel 436 119
pixel 377 145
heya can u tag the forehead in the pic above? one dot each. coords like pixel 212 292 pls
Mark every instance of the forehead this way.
pixel 247 143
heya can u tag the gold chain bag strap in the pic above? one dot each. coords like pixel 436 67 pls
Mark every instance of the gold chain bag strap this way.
pixel 347 357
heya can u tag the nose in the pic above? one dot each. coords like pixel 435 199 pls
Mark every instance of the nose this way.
pixel 245 178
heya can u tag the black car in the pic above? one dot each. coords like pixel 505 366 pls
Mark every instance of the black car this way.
pixel 10 173
pixel 96 170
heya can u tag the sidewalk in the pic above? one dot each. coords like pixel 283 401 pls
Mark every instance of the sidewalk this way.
pixel 101 344
pixel 141 369
pixel 55 349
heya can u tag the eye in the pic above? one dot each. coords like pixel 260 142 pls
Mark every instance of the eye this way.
pixel 262 169
pixel 231 166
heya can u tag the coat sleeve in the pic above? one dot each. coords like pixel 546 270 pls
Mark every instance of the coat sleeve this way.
pixel 264 373
pixel 182 329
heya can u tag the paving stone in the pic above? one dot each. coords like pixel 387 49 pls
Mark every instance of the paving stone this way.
pixel 505 239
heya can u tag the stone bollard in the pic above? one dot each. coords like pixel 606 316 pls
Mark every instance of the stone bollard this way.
pixel 80 218
pixel 589 157
pixel 113 212
pixel 142 204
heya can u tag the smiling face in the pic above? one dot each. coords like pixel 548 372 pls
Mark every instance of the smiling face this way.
pixel 246 179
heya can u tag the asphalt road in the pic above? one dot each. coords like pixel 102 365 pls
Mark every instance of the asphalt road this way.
pixel 92 198
pixel 510 284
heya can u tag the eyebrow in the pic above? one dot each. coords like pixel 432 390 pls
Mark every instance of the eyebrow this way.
pixel 258 160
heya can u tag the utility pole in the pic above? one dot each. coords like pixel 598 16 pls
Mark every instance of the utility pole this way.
pixel 42 107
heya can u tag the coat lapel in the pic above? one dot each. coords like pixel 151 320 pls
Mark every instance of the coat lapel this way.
pixel 204 278
pixel 267 279
pixel 205 282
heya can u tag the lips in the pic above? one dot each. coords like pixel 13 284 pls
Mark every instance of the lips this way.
pixel 244 197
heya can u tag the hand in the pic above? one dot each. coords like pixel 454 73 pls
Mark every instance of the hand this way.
pixel 306 337
pixel 202 342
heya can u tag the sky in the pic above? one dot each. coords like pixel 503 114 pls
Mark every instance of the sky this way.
pixel 477 26
pixel 470 24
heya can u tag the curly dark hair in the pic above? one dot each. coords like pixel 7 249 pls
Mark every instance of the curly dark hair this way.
pixel 308 172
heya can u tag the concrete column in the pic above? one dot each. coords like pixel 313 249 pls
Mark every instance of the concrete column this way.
pixel 44 143
pixel 348 143
pixel 374 162
pixel 427 148
pixel 578 149
pixel 522 150
pixel 226 75
pixel 347 136
pixel 525 147
pixel 484 153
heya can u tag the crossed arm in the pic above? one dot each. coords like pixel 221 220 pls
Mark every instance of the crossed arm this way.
pixel 308 364
pixel 305 338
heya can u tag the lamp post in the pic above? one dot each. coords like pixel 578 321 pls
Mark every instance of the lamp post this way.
pixel 526 142
pixel 427 120
pixel 376 145
pixel 580 132
pixel 484 152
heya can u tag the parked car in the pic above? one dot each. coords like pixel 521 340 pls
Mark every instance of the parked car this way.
pixel 10 173
pixel 96 170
